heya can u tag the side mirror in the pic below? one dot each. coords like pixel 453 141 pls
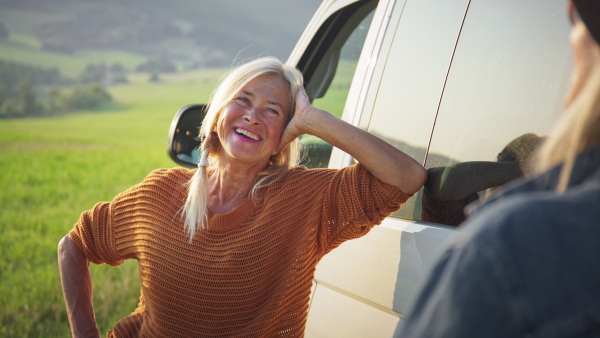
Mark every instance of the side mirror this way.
pixel 183 141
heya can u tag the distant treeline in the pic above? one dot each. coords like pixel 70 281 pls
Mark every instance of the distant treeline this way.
pixel 12 74
pixel 27 91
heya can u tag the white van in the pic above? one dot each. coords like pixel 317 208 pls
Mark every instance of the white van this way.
pixel 448 82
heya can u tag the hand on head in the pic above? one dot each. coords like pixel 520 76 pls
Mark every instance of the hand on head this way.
pixel 297 125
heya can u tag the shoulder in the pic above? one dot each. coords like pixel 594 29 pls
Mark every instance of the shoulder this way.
pixel 170 174
pixel 325 177
pixel 301 180
pixel 516 252
pixel 162 181
pixel 514 223
pixel 302 172
pixel 168 177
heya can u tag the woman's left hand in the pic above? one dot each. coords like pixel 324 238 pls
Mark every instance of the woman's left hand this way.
pixel 299 125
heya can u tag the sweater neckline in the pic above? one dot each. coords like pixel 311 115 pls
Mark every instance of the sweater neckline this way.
pixel 232 219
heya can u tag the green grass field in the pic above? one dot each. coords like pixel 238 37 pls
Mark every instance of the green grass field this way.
pixel 54 168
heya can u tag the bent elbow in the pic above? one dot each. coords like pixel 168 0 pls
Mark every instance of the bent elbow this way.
pixel 420 178
pixel 68 251
pixel 62 245
pixel 415 181
pixel 63 250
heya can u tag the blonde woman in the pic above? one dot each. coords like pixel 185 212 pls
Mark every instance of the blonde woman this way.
pixel 230 249
pixel 527 262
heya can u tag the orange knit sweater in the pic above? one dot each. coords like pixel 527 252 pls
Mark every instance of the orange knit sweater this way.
pixel 250 273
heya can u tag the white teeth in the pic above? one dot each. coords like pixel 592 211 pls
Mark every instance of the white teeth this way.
pixel 247 133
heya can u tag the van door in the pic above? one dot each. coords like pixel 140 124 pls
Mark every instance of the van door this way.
pixel 368 282
pixel 448 82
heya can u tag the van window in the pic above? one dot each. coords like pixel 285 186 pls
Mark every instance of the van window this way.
pixel 334 99
pixel 412 75
pixel 504 90
pixel 330 73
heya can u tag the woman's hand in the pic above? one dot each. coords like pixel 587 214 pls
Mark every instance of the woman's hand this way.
pixel 300 123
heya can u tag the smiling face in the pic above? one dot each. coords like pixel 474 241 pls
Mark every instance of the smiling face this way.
pixel 251 124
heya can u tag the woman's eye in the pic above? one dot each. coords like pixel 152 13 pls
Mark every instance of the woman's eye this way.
pixel 243 100
pixel 273 111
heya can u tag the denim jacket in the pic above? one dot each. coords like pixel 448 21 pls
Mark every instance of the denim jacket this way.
pixel 525 264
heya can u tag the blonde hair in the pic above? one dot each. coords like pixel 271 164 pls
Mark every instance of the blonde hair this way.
pixel 577 130
pixel 195 210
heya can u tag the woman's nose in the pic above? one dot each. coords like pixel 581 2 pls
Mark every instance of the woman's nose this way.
pixel 251 116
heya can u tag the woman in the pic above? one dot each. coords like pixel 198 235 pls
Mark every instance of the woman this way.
pixel 527 262
pixel 230 249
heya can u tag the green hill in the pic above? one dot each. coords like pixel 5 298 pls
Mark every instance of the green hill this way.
pixel 190 33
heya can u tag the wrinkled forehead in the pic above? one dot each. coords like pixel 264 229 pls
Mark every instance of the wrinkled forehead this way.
pixel 267 80
pixel 269 87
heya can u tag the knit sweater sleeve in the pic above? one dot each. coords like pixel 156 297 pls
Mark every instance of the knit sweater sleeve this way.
pixel 351 201
pixel 94 235
pixel 109 231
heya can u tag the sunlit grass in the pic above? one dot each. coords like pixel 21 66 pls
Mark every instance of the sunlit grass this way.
pixel 52 169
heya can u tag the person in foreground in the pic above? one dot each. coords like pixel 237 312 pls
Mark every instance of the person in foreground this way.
pixel 230 249
pixel 527 262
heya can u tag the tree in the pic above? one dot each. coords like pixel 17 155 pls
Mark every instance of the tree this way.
pixel 55 101
pixel 93 73
pixel 117 74
pixel 23 104
pixel 117 68
pixel 154 77
pixel 89 97
pixel 25 100
pixel 158 65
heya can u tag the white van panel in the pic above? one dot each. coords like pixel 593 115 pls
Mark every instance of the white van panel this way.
pixel 383 269
pixel 406 74
pixel 334 314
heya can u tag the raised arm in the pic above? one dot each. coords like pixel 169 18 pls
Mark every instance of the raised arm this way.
pixel 383 160
pixel 77 288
